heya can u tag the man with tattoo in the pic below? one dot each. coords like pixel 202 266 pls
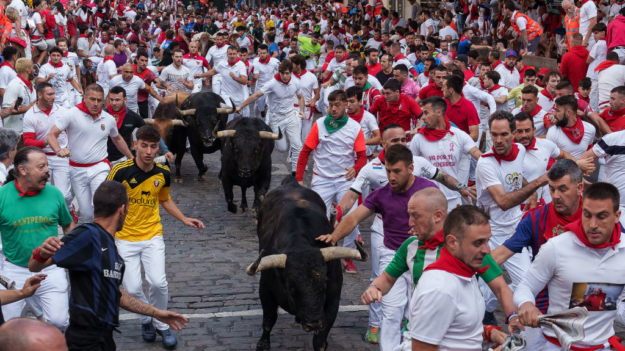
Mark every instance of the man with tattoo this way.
pixel 96 271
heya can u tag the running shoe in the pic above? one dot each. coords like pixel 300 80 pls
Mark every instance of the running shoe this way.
pixel 148 333
pixel 349 267
pixel 373 335
pixel 169 338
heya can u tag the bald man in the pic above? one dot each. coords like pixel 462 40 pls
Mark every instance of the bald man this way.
pixel 428 211
pixel 131 85
pixel 30 334
pixel 106 69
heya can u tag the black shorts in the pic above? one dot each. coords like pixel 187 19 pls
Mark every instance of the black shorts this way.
pixel 89 340
pixel 143 109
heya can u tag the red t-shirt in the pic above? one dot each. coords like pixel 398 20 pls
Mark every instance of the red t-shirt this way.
pixel 468 74
pixel 50 24
pixel 373 70
pixel 148 77
pixel 430 90
pixel 614 119
pixel 403 112
pixel 462 114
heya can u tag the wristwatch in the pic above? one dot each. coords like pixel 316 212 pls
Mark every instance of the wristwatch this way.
pixel 460 187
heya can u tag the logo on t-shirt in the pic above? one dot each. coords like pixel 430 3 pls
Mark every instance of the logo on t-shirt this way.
pixel 514 179
pixel 103 126
pixel 596 297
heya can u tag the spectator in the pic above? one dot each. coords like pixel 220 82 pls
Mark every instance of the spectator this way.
pixel 574 63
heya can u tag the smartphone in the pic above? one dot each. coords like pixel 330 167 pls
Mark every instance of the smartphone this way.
pixel 18 103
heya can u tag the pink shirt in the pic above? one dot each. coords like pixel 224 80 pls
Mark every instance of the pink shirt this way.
pixel 411 88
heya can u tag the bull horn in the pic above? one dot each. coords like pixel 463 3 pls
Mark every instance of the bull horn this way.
pixel 262 263
pixel 189 112
pixel 270 135
pixel 178 122
pixel 227 110
pixel 335 253
pixel 215 130
pixel 226 133
pixel 149 121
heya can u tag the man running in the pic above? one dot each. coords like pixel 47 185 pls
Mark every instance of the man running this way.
pixel 265 68
pixel 106 69
pixel 216 54
pixel 131 85
pixel 233 81
pixel 309 86
pixel 570 133
pixel 196 64
pixel 177 76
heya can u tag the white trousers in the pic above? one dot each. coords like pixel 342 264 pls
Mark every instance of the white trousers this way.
pixel 542 344
pixel 152 105
pixel 244 113
pixel 289 124
pixel 395 304
pixel 307 124
pixel 310 64
pixel 59 174
pixel 85 181
pixel 51 298
pixel 150 253
pixel 261 103
pixel 197 85
pixel 333 190
pixel 216 84
pixel 377 242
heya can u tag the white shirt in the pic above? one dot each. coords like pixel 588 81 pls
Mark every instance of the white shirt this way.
pixel 610 147
pixel 280 96
pixel 246 41
pixel 609 79
pixel 196 65
pixel 447 310
pixel 4 173
pixel 59 82
pixel 476 96
pixel 368 124
pixel 230 87
pixel 335 151
pixel 508 79
pixel 83 45
pixel 448 31
pixel 217 54
pixel 556 135
pixel 7 74
pixel 544 102
pixel 36 17
pixel 444 154
pixel 425 27
pixel 132 90
pixel 614 9
pixel 535 164
pixel 171 75
pixel 539 120
pixel 507 174
pixel 598 53
pixel 87 138
pixel 266 71
pixel 73 62
pixel 21 10
pixel 36 121
pixel 587 12
pixel 17 88
pixel 105 70
pixel 565 265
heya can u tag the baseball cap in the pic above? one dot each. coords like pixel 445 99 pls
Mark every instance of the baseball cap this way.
pixel 511 53
pixel 462 58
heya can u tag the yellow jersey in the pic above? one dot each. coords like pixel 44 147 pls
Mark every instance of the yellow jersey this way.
pixel 145 191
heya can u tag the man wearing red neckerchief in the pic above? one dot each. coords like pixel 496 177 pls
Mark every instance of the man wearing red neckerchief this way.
pixel 58 74
pixel 529 104
pixel 216 54
pixel 7 68
pixel 589 251
pixel 233 80
pixel 612 119
pixel 569 132
pixel 396 107
pixel 447 307
pixel 547 96
pixel 435 88
pixel 19 87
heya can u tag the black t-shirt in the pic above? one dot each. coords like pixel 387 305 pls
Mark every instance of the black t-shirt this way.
pixel 131 121
pixel 167 59
pixel 96 271
pixel 383 77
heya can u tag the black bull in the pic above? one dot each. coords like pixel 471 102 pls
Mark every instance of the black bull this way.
pixel 198 118
pixel 246 147
pixel 299 274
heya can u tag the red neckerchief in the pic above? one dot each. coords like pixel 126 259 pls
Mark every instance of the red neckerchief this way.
pixel 482 84
pixel 532 145
pixel 235 62
pixel 535 112
pixel 279 79
pixel 220 46
pixel 192 56
pixel 610 115
pixel 511 156
pixel 399 57
pixel 463 38
pixel 357 117
pixel 301 74
pixel 104 39
pixel 7 64
pixel 427 74
pixel 119 115
pixel 264 62
pixel 82 36
pixel 66 54
pixel 493 88
pixel 576 227
pixel 435 134
pixel 497 63
pixel 395 21
pixel 583 2
pixel 448 263
pixel 556 223
pixel 47 112
pixel 108 58
pixel 579 96
pixel 24 193
pixel 433 243
pixel 547 95
pixel 81 106
pixel 28 84
pixel 605 65
pixel 344 58
pixel 58 65
pixel 576 132
pixel 508 68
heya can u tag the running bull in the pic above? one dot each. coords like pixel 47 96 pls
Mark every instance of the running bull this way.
pixel 299 274
pixel 246 147
pixel 197 117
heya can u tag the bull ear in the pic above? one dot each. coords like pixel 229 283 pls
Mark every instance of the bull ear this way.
pixel 262 263
pixel 335 253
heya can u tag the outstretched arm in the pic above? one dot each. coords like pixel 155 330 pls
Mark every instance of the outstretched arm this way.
pixel 132 304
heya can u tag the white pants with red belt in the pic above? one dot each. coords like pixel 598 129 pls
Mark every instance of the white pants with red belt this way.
pixel 59 174
pixel 290 125
pixel 307 123
pixel 542 344
pixel 333 190
pixel 85 181
pixel 150 253
pixel 395 304
pixel 377 242
pixel 51 298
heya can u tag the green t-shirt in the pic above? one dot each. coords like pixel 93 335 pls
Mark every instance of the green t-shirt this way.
pixel 27 221
pixel 516 94
pixel 307 49
pixel 410 257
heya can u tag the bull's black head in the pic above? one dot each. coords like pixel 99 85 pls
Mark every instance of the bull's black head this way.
pixel 306 282
pixel 208 113
pixel 248 148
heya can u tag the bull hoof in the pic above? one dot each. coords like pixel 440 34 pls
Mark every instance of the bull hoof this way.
pixel 201 177
pixel 243 209
pixel 178 180
pixel 232 208
pixel 263 345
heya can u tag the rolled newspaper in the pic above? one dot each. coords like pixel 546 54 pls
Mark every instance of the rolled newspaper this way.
pixel 7 283
pixel 568 325
pixel 333 213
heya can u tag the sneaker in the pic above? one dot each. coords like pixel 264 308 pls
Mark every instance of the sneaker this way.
pixel 74 214
pixel 169 339
pixel 360 240
pixel 147 332
pixel 489 319
pixel 349 267
pixel 373 335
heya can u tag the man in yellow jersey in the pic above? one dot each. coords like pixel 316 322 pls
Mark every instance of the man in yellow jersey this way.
pixel 141 239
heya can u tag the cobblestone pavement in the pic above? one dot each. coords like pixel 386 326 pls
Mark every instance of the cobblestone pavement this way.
pixel 206 275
